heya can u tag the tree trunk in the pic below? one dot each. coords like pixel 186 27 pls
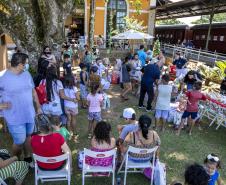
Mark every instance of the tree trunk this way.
pixel 35 24
pixel 92 22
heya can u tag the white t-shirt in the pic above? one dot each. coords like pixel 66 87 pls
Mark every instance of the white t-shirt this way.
pixel 164 96
pixel 71 93
pixel 95 102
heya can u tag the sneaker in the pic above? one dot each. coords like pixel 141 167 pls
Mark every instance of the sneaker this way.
pixel 148 110
pixel 142 107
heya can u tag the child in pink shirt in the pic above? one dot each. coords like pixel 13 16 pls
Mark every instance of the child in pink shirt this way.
pixel 192 106
pixel 94 101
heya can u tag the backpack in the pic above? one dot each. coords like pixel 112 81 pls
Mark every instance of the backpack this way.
pixel 41 92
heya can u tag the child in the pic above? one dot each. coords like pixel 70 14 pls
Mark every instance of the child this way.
pixel 129 115
pixel 71 107
pixel 162 107
pixel 212 164
pixel 94 101
pixel 182 105
pixel 67 65
pixel 83 84
pixel 56 125
pixel 192 106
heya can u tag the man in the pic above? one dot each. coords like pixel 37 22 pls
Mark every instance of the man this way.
pixel 17 90
pixel 142 55
pixel 180 65
pixel 150 76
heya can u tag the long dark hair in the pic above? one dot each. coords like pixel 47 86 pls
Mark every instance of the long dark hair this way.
pixel 144 123
pixel 51 77
pixel 102 132
pixel 69 81
pixel 94 89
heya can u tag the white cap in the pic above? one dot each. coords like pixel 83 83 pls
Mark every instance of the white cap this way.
pixel 128 113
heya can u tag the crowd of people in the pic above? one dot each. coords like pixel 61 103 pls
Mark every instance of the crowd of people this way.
pixel 35 109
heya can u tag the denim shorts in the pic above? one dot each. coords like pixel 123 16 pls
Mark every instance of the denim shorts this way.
pixel 94 116
pixel 162 114
pixel 188 114
pixel 20 132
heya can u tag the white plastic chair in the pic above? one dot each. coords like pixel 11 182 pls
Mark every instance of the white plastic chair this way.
pixel 57 175
pixel 129 164
pixel 2 182
pixel 94 169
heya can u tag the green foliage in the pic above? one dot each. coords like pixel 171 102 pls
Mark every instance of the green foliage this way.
pixel 210 74
pixel 222 66
pixel 169 22
pixel 156 49
pixel 137 4
pixel 221 17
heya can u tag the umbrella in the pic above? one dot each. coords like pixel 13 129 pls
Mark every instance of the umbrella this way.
pixel 132 35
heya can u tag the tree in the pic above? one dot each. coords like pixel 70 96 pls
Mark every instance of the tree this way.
pixel 221 17
pixel 92 22
pixel 156 48
pixel 34 23
pixel 168 22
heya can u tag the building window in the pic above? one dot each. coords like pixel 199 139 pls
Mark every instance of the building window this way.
pixel 215 38
pixel 222 38
pixel 171 35
pixel 167 36
pixel 197 37
pixel 118 10
pixel 203 37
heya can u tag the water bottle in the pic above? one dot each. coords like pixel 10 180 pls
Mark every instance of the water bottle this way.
pixel 118 180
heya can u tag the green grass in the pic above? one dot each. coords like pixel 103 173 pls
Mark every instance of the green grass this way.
pixel 176 152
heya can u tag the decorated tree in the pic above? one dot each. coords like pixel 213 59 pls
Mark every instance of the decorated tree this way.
pixel 35 23
pixel 156 48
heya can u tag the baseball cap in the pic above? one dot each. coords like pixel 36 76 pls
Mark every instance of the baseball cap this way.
pixel 128 113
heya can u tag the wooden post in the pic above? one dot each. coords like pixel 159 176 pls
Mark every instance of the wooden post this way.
pixel 210 26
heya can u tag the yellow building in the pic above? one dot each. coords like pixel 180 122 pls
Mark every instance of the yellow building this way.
pixel 120 9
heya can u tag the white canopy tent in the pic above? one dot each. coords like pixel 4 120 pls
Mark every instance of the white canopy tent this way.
pixel 132 35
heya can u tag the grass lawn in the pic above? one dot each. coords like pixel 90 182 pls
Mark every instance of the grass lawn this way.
pixel 176 152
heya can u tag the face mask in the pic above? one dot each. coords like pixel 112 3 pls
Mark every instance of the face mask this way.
pixel 48 53
pixel 26 67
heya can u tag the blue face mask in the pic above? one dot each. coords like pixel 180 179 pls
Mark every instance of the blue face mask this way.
pixel 26 67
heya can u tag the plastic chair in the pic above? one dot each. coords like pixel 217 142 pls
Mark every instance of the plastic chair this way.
pixel 95 169
pixel 129 164
pixel 2 182
pixel 57 175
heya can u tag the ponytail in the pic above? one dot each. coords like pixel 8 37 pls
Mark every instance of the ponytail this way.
pixel 144 123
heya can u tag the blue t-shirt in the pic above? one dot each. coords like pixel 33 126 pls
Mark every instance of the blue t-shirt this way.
pixel 214 178
pixel 17 90
pixel 142 57
pixel 151 73
pixel 180 63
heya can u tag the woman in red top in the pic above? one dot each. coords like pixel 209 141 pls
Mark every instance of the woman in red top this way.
pixel 48 144
pixel 192 107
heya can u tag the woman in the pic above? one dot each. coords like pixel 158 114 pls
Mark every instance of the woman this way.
pixel 144 137
pixel 125 69
pixel 47 55
pixel 190 78
pixel 48 144
pixel 11 167
pixel 101 142
pixel 54 91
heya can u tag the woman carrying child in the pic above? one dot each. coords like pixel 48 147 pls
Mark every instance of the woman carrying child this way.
pixel 94 101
